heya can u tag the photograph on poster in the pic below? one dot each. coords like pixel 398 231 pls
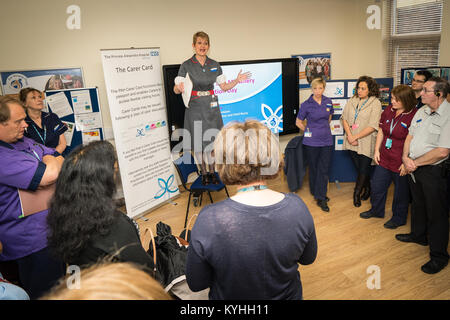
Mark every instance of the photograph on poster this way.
pixel 436 72
pixel 445 73
pixel 51 79
pixel 313 66
pixel 68 134
pixel 408 76
pixel 384 95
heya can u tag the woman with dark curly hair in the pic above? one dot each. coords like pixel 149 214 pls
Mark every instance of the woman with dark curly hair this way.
pixel 84 224
pixel 360 119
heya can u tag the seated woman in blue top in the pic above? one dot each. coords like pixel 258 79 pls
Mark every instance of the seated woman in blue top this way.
pixel 249 246
pixel 43 127
pixel 317 140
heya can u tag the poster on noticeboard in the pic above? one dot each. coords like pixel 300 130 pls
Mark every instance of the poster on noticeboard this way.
pixel 313 66
pixel 49 79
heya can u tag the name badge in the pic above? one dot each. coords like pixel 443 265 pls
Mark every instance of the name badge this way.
pixel 308 134
pixel 404 125
pixel 213 69
pixel 214 101
pixel 388 143
pixel 355 126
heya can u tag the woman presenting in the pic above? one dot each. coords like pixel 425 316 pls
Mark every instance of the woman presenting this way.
pixel 394 124
pixel 360 120
pixel 44 128
pixel 317 140
pixel 203 112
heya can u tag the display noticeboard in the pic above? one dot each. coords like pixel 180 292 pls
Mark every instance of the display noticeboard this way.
pixel 407 74
pixel 79 109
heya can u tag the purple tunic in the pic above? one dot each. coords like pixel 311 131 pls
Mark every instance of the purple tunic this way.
pixel 21 167
pixel 317 117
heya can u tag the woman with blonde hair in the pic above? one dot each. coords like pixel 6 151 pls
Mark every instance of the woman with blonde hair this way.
pixel 109 281
pixel 314 119
pixel 43 127
pixel 203 111
pixel 249 246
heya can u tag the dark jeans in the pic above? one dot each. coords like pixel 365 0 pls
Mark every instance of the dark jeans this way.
pixel 319 160
pixel 361 162
pixel 429 214
pixel 39 272
pixel 380 183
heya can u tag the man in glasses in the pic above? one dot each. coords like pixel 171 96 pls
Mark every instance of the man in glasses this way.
pixel 425 153
pixel 419 79
pixel 26 168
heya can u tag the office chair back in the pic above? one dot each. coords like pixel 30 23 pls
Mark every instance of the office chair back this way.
pixel 185 165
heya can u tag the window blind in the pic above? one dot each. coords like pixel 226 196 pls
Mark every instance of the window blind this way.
pixel 412 30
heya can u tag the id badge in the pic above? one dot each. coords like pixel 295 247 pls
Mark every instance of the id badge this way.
pixel 214 102
pixel 308 134
pixel 355 126
pixel 388 143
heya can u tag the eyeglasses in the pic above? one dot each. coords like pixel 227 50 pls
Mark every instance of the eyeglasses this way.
pixel 427 91
pixel 419 81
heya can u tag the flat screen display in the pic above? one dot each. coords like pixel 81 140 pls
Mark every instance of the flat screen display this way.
pixel 270 95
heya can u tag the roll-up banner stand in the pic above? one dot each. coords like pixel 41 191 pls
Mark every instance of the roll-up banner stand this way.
pixel 138 115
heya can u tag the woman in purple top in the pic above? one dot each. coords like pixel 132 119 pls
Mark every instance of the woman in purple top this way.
pixel 317 140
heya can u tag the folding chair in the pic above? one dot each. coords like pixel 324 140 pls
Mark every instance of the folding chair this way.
pixel 186 165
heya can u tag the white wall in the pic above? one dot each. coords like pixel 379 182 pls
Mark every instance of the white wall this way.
pixel 34 33
pixel 444 54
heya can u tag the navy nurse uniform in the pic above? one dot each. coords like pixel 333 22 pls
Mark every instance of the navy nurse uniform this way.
pixel 48 135
pixel 203 108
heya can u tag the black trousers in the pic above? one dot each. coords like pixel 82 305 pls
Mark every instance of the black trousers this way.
pixel 39 272
pixel 429 211
pixel 319 160
pixel 361 162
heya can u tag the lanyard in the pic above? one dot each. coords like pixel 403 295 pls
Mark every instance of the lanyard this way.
pixel 34 155
pixel 45 133
pixel 253 188
pixel 359 110
pixel 393 125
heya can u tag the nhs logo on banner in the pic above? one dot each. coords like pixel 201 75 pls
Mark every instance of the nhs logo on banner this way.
pixel 154 53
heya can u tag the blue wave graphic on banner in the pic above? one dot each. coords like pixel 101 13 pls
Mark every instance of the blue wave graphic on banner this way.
pixel 266 106
pixel 165 187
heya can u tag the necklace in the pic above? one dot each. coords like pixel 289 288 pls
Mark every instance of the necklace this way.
pixel 253 188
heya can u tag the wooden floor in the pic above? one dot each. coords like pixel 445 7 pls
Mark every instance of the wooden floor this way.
pixel 348 246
